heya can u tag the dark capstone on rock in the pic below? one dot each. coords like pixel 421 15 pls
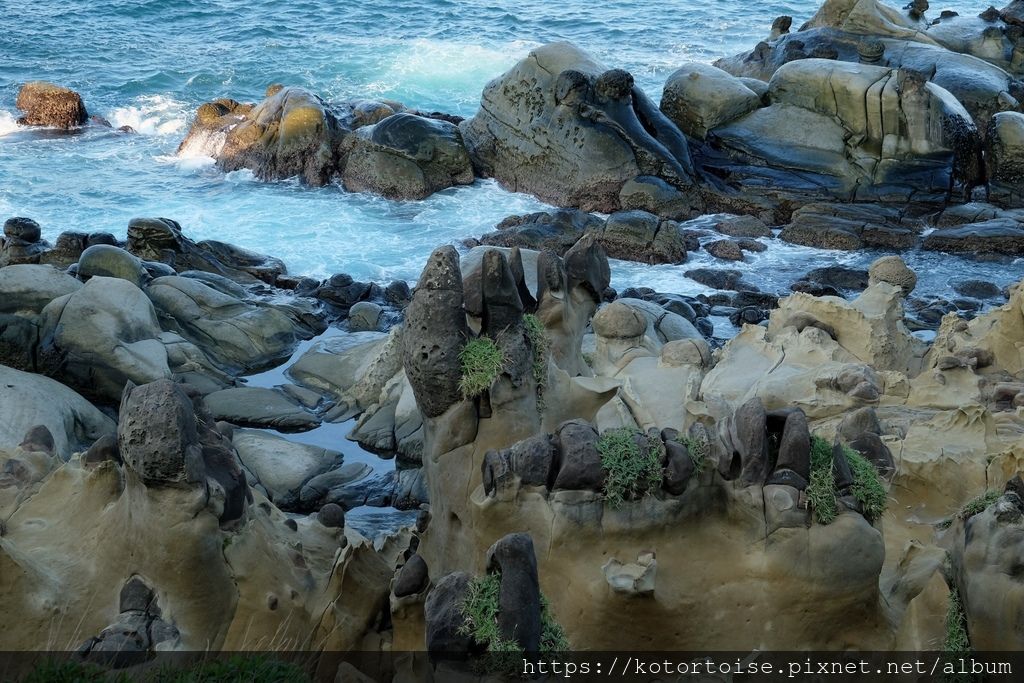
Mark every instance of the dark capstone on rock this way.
pixel 435 324
pixel 519 606
pixel 580 462
pixel 412 577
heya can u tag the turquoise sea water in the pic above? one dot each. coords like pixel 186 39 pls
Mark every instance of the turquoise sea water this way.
pixel 149 64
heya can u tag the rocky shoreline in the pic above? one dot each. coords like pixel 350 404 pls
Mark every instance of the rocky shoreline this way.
pixel 835 465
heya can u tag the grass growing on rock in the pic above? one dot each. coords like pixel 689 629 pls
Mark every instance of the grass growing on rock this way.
pixel 539 345
pixel 867 487
pixel 480 610
pixel 821 491
pixel 632 471
pixel 974 506
pixel 482 361
pixel 698 450
pixel 956 639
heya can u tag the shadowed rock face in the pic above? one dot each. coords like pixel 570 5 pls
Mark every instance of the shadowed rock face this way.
pixel 435 325
pixel 407 157
pixel 161 239
pixel 46 104
pixel 985 552
pixel 566 129
pixel 167 442
pixel 973 59
pixel 851 132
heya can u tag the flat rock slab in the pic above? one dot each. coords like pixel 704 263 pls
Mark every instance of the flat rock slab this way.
pixel 282 466
pixel 259 407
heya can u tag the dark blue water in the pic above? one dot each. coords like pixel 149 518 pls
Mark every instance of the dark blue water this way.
pixel 149 64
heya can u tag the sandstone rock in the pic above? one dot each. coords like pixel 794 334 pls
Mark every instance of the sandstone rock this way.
pixel 22 243
pixel 634 578
pixel 233 328
pixel 618 320
pixel 407 157
pixel 561 126
pixel 26 289
pixel 364 316
pixel 893 270
pixel 290 133
pixel 331 516
pixel 947 49
pixel 259 407
pixel 718 278
pixel 436 331
pixel 519 605
pixel 162 240
pixel 101 336
pixel 158 436
pixel 699 97
pixel 995 236
pixel 444 617
pixel 30 400
pixel 870 327
pixel 642 236
pixel 650 193
pixel 46 104
pixel 742 226
pixel 976 289
pixel 1004 156
pixel 412 578
pixel 109 261
pixel 805 134
pixel 281 466
pixel 850 227
pixel 580 467
pixel 555 231
pixel 727 250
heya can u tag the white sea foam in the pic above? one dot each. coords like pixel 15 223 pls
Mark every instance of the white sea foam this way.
pixel 152 115
pixel 8 123
pixel 446 68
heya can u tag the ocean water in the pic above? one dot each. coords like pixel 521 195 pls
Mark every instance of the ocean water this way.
pixel 148 64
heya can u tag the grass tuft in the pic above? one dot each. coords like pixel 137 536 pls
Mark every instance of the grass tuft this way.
pixel 867 487
pixel 821 491
pixel 632 471
pixel 956 639
pixel 552 636
pixel 480 610
pixel 698 450
pixel 974 506
pixel 539 344
pixel 482 361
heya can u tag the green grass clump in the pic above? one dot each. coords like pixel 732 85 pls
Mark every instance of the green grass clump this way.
pixel 552 636
pixel 975 506
pixel 956 639
pixel 539 345
pixel 480 610
pixel 632 471
pixel 698 450
pixel 867 487
pixel 821 491
pixel 482 361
